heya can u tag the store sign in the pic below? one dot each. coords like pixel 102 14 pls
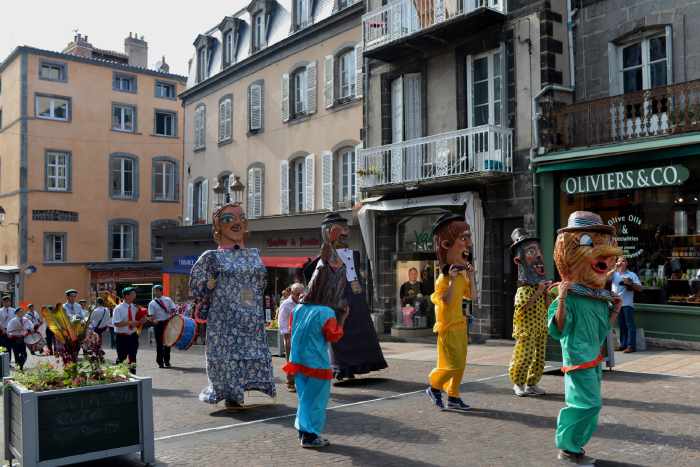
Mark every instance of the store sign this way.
pixel 651 177
pixel 299 242
pixel 627 234
pixel 184 264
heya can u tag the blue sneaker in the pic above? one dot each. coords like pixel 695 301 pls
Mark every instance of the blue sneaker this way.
pixel 436 397
pixel 455 403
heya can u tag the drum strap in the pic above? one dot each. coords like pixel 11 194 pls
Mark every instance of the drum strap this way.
pixel 162 306
pixel 130 319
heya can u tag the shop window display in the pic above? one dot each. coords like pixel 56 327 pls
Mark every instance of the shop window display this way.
pixel 656 212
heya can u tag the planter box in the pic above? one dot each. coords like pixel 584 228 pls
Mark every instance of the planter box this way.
pixel 67 426
pixel 4 364
pixel 274 342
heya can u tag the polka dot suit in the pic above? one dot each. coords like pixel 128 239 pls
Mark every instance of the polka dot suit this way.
pixel 530 333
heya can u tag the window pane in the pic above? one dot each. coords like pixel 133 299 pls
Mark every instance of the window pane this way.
pixel 657 48
pixel 481 115
pixel 632 80
pixel 128 234
pixel 632 56
pixel 43 106
pixel 658 74
pixel 481 69
pixel 481 93
pixel 128 118
pixel 60 109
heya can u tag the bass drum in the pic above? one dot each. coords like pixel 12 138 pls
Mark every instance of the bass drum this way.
pixel 180 332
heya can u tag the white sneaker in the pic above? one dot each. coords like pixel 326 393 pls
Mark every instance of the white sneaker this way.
pixel 535 390
pixel 519 391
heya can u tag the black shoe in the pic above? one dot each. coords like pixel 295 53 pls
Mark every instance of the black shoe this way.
pixel 160 365
pixel 168 365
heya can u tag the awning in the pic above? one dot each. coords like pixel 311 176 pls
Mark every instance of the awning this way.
pixel 285 261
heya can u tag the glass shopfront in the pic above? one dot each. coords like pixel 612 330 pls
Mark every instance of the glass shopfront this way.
pixel 656 213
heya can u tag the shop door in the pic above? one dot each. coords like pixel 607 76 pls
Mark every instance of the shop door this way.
pixel 510 274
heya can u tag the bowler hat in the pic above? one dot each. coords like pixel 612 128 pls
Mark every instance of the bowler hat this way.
pixel 444 219
pixel 520 235
pixel 587 221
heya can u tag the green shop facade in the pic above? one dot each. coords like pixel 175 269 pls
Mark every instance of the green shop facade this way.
pixel 649 191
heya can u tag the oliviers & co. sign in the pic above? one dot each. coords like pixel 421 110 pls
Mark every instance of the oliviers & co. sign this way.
pixel 650 177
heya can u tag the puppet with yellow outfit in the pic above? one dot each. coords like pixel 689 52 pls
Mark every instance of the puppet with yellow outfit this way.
pixel 452 240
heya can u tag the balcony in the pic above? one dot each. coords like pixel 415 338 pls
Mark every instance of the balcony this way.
pixel 480 152
pixel 661 111
pixel 402 26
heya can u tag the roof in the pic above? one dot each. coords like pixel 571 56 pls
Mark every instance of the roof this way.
pixel 93 61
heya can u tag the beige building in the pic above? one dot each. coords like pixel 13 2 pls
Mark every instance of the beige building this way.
pixel 274 97
pixel 91 162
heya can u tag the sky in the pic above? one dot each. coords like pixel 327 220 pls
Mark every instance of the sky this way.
pixel 169 27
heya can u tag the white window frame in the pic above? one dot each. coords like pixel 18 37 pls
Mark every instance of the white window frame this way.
pixel 200 211
pixel 258 21
pixel 300 91
pixel 346 74
pixel 120 125
pixel 496 87
pixel 162 85
pixel 347 179
pixel 52 107
pixel 202 66
pixel 226 119
pixel 615 57
pixel 297 171
pixel 646 61
pixel 166 171
pixel 55 181
pixel 118 81
pixel 122 173
pixel 228 47
pixel 124 231
pixel 51 240
pixel 51 66
pixel 303 14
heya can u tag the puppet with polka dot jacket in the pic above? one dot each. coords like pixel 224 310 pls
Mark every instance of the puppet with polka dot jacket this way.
pixel 529 315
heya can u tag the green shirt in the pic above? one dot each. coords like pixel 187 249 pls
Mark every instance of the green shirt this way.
pixel 586 326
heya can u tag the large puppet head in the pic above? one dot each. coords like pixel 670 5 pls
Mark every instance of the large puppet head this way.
pixel 230 226
pixel 586 250
pixel 452 238
pixel 328 283
pixel 527 254
pixel 334 230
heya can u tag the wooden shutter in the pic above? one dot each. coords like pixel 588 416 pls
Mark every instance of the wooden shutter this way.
pixel 251 187
pixel 284 187
pixel 222 120
pixel 285 97
pixel 311 88
pixel 190 203
pixel 255 107
pixel 205 201
pixel 358 164
pixel 327 177
pixel 328 73
pixel 359 76
pixel 229 119
pixel 257 192
pixel 309 183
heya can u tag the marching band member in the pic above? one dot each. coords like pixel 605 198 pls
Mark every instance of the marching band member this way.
pixel 125 325
pixel 6 314
pixel 100 320
pixel 34 318
pixel 160 309
pixel 72 307
pixel 17 328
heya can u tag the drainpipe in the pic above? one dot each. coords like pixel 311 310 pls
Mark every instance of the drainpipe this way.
pixel 570 28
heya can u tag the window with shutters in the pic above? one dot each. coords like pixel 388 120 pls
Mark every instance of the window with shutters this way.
pixel 345 178
pixel 254 206
pixel 200 201
pixel 343 76
pixel 296 184
pixel 123 239
pixel 256 100
pixel 226 119
pixel 200 116
pixel 302 13
pixel 54 247
pixel 298 92
pixel 346 75
pixel 165 179
pixel 165 90
pixel 123 172
pixel 58 170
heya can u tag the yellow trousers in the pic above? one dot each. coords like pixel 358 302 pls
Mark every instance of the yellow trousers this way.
pixel 451 361
pixel 527 363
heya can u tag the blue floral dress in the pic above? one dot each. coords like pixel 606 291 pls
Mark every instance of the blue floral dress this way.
pixel 237 355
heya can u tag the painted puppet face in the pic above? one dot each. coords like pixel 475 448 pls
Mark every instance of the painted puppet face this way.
pixel 458 251
pixel 585 257
pixel 530 263
pixel 231 225
pixel 339 235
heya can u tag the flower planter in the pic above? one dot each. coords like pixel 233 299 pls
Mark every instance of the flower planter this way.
pixel 274 342
pixel 67 426
pixel 4 364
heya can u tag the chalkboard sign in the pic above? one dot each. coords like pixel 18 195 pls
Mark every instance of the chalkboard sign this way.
pixel 87 421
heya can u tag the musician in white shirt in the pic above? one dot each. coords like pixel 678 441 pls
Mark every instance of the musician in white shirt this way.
pixel 72 307
pixel 6 314
pixel 160 309
pixel 100 319
pixel 34 321
pixel 125 325
pixel 17 328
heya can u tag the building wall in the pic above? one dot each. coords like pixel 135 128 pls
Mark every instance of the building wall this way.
pixel 600 22
pixel 326 130
pixel 89 139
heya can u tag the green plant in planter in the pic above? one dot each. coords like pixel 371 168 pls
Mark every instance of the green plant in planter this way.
pixel 372 170
pixel 46 376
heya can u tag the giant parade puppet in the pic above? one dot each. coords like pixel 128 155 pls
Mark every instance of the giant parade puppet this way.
pixel 529 315
pixel 580 318
pixel 229 283
pixel 358 352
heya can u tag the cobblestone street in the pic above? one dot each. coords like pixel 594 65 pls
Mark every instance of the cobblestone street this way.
pixel 386 420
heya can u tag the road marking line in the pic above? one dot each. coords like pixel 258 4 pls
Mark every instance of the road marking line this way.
pixel 341 406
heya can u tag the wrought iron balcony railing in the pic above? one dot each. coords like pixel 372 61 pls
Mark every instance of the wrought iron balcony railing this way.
pixel 483 149
pixel 660 111
pixel 403 18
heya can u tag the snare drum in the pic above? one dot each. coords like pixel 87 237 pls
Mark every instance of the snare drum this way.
pixel 35 342
pixel 180 332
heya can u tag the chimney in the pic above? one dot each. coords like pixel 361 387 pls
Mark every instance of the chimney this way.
pixel 137 50
pixel 162 65
pixel 79 46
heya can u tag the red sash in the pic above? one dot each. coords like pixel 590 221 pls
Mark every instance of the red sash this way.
pixel 584 366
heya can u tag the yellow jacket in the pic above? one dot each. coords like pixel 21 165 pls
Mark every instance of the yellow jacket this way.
pixel 449 316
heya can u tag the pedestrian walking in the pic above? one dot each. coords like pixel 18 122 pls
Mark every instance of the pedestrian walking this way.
pixel 625 283
pixel 160 309
pixel 283 319
pixel 17 328
pixel 126 324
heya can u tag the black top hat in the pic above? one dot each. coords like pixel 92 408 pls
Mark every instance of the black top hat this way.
pixel 520 235
pixel 445 218
pixel 333 218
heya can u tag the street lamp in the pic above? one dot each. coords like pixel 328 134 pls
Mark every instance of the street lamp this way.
pixel 237 189
pixel 219 189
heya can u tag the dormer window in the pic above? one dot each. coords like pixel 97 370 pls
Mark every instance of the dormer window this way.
pixel 260 16
pixel 302 14
pixel 229 28
pixel 258 31
pixel 228 47
pixel 203 44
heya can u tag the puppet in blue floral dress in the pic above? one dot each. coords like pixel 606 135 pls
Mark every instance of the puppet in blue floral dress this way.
pixel 230 281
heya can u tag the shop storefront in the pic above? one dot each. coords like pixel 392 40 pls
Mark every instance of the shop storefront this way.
pixel 652 201
pixel 114 277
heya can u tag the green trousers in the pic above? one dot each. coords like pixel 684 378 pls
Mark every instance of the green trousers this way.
pixel 579 419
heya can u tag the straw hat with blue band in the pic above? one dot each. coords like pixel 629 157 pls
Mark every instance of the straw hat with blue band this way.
pixel 580 221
